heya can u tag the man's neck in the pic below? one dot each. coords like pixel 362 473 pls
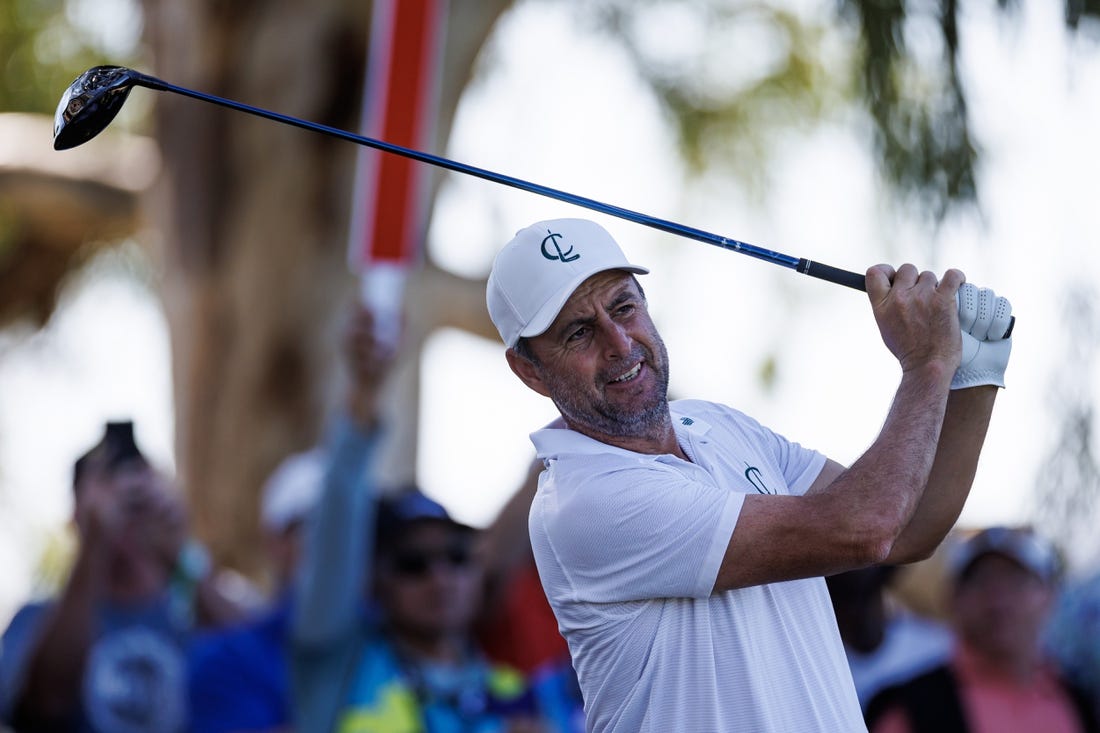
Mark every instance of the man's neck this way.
pixel 657 439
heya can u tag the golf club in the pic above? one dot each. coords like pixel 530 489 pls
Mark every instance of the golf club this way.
pixel 96 96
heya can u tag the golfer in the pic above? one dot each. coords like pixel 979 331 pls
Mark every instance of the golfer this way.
pixel 682 545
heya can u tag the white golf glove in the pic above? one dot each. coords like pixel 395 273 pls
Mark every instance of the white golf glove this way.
pixel 984 319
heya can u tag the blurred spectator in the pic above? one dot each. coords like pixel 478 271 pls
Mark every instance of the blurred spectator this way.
pixel 240 677
pixel 885 643
pixel 1073 636
pixel 108 654
pixel 412 664
pixel 287 498
pixel 997 679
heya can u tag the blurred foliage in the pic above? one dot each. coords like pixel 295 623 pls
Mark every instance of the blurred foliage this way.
pixel 1067 485
pixel 44 45
pixel 751 71
pixel 909 81
pixel 757 71
pixel 42 49
pixel 919 109
pixel 1081 10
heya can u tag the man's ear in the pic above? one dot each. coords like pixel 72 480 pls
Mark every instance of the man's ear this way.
pixel 526 370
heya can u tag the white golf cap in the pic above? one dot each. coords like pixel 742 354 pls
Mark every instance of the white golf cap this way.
pixel 539 269
pixel 292 490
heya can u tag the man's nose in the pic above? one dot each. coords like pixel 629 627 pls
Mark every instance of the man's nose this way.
pixel 617 343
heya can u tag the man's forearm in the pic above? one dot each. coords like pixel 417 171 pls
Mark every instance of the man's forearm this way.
pixel 891 475
pixel 965 424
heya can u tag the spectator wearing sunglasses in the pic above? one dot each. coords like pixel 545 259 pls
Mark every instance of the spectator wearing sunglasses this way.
pixel 411 664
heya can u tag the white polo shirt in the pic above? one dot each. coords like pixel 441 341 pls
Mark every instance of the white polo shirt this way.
pixel 628 547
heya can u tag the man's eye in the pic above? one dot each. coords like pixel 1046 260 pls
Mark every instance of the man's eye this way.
pixel 578 334
pixel 626 310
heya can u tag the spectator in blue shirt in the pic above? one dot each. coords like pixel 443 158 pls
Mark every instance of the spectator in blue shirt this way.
pixel 107 654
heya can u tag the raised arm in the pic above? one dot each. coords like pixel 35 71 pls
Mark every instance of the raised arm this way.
pixel 856 517
pixel 336 561
pixel 985 321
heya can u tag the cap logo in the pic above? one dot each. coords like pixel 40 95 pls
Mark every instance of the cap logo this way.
pixel 566 256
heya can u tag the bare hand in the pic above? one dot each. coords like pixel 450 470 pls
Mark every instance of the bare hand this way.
pixel 917 314
pixel 98 513
pixel 369 361
pixel 155 513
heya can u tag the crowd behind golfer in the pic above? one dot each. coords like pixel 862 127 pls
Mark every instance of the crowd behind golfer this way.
pixel 379 619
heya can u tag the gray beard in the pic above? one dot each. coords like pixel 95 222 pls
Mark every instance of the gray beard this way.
pixel 614 421
pixel 617 423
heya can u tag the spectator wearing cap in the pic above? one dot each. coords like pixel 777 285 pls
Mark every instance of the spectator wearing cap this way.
pixel 1003 582
pixel 288 496
pixel 239 678
pixel 108 653
pixel 412 665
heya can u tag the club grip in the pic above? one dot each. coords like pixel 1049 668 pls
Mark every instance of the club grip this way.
pixel 832 274
pixel 853 280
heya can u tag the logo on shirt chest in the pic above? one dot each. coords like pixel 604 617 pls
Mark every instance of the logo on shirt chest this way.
pixel 756 478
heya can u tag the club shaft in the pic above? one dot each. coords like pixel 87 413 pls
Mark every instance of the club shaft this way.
pixel 807 267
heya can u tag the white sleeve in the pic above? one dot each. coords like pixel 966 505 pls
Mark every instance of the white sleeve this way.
pixel 644 532
pixel 800 465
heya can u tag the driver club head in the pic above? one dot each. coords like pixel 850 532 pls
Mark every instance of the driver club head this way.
pixel 90 103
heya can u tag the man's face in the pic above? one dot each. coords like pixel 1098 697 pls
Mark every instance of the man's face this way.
pixel 430 582
pixel 602 361
pixel 999 608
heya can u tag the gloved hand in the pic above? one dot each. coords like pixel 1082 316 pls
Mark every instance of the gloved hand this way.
pixel 984 319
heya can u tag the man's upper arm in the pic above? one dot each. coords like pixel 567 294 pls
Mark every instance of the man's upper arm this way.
pixel 781 537
pixel 829 473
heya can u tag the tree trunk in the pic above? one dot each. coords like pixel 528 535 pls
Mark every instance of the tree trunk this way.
pixel 253 219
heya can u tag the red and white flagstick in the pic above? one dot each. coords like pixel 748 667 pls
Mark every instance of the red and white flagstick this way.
pixel 390 207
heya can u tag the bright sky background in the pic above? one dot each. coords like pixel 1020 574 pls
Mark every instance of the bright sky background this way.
pixel 577 119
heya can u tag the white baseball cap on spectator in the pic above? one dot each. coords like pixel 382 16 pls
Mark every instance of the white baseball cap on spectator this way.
pixel 292 490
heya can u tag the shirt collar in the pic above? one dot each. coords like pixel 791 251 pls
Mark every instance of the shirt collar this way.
pixel 553 442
